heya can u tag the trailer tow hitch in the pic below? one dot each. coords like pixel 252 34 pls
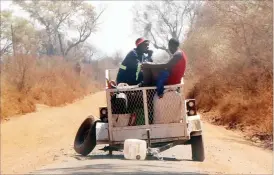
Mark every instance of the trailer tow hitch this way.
pixel 110 148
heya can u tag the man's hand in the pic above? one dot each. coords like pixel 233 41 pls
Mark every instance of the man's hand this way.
pixel 149 52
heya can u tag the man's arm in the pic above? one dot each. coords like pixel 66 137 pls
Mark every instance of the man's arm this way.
pixel 149 57
pixel 129 61
pixel 176 57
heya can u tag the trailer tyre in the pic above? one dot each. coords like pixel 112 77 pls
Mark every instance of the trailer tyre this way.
pixel 197 148
pixel 85 139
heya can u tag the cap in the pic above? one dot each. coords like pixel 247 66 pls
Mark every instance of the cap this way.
pixel 140 41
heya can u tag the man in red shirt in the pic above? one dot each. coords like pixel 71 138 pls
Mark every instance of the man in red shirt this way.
pixel 173 71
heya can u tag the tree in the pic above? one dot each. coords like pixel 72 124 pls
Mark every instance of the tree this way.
pixel 231 62
pixel 61 20
pixel 17 34
pixel 84 22
pixel 6 42
pixel 250 34
pixel 88 52
pixel 161 20
pixel 231 33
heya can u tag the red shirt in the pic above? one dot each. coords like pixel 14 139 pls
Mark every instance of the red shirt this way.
pixel 178 70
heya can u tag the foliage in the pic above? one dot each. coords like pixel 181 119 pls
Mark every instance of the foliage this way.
pixel 18 33
pixel 230 66
pixel 62 25
pixel 161 20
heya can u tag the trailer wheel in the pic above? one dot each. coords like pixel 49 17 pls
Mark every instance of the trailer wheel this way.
pixel 197 148
pixel 85 139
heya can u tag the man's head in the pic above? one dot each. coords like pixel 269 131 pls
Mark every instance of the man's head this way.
pixel 142 45
pixel 173 45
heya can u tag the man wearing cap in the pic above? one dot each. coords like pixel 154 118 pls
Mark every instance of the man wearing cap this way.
pixel 130 69
pixel 171 72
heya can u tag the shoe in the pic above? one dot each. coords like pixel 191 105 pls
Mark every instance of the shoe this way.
pixel 141 84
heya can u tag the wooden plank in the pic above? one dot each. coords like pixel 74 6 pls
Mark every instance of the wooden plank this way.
pixel 159 140
pixel 147 127
pixel 145 107
pixel 184 113
pixel 145 88
pixel 107 78
pixel 110 125
pixel 159 131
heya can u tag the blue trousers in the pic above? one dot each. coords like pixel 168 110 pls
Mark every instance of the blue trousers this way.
pixel 161 80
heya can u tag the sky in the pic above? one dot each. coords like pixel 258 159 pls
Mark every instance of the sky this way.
pixel 115 32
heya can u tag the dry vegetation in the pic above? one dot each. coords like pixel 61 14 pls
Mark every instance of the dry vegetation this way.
pixel 230 71
pixel 229 49
pixel 27 81
pixel 39 64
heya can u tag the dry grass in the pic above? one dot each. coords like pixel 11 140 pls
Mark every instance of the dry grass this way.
pixel 27 81
pixel 230 65
pixel 240 100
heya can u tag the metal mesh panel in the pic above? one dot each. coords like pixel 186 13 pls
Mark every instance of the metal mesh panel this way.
pixel 150 95
pixel 128 108
pixel 168 109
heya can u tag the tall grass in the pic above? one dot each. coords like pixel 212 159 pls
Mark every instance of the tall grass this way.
pixel 230 67
pixel 240 99
pixel 27 80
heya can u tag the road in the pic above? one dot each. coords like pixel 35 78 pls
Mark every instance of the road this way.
pixel 42 143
